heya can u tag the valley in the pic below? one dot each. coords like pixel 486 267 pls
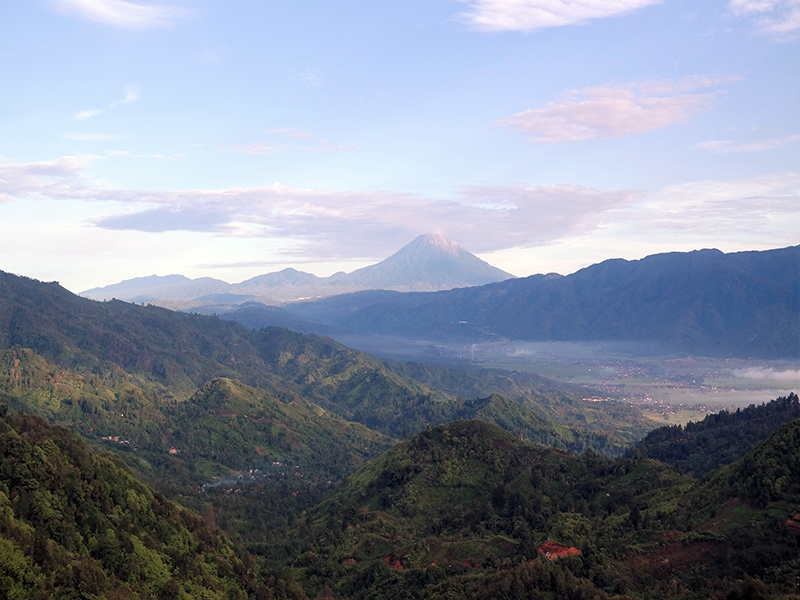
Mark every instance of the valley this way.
pixel 667 388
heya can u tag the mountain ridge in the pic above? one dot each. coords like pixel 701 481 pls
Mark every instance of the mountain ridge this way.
pixel 706 301
pixel 430 262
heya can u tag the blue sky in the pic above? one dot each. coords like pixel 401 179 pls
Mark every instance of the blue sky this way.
pixel 232 138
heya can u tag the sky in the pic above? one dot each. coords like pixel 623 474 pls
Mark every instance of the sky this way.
pixel 231 138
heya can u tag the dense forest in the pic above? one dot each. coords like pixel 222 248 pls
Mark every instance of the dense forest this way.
pixel 149 357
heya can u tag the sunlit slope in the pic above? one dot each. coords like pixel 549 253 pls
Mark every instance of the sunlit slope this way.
pixel 224 426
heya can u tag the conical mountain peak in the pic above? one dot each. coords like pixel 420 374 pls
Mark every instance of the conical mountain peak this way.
pixel 438 241
pixel 430 262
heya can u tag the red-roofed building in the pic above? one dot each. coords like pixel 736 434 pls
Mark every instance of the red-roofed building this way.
pixel 552 550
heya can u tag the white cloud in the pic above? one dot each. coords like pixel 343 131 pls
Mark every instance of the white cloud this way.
pixel 530 15
pixel 307 225
pixel 616 110
pixel 731 147
pixel 118 13
pixel 779 19
pixel 326 222
pixel 131 94
pixel 746 214
pixel 258 148
pixel 61 179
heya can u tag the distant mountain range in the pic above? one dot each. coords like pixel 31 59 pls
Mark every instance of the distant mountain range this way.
pixel 431 262
pixel 744 304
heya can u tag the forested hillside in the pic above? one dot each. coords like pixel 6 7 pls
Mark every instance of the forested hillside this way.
pixel 463 509
pixel 78 525
pixel 95 361
pixel 720 438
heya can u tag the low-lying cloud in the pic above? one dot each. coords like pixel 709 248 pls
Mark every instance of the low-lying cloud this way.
pixel 768 374
pixel 329 224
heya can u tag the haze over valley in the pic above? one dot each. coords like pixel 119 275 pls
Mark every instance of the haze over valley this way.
pixel 635 350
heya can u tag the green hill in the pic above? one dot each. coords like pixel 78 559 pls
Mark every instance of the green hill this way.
pixel 468 498
pixel 227 427
pixel 461 509
pixel 78 525
pixel 606 427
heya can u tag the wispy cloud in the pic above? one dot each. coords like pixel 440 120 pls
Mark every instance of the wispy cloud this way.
pixel 290 132
pixel 93 137
pixel 616 110
pixel 59 179
pixel 129 154
pixel 320 225
pixel 131 95
pixel 731 147
pixel 764 205
pixel 313 145
pixel 127 15
pixel 778 19
pixel 324 222
pixel 530 15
